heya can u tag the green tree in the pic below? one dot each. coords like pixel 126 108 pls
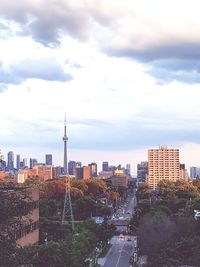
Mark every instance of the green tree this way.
pixel 14 205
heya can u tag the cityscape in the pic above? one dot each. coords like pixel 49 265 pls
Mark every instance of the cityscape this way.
pixel 99 133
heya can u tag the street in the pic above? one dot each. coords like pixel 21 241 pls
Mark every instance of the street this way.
pixel 122 244
pixel 120 253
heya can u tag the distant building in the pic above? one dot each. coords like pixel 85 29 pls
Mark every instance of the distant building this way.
pixel 86 172
pixel 78 164
pixel 163 165
pixel 105 166
pixel 2 165
pixel 183 172
pixel 42 172
pixel 72 165
pixel 18 162
pixel 79 173
pixel 105 174
pixel 119 178
pixel 48 159
pixel 57 172
pixel 193 172
pixel 128 169
pixel 10 161
pixel 33 162
pixel 25 163
pixel 142 171
pixel 82 172
pixel 93 169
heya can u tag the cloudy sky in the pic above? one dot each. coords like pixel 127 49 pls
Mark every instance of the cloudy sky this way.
pixel 127 74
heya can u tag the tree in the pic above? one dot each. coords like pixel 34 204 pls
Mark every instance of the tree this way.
pixel 95 187
pixel 84 207
pixel 14 205
pixel 143 191
pixel 154 233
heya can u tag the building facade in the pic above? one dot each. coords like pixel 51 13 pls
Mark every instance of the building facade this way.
pixel 72 165
pixel 142 171
pixel 119 178
pixel 105 166
pixel 163 164
pixel 93 169
pixel 48 159
pixel 10 161
pixel 24 227
pixel 18 161
pixel 28 233
pixel 33 162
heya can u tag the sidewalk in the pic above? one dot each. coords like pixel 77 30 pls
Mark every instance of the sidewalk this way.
pixel 101 261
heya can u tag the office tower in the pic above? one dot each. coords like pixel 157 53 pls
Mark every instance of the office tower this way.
pixel 105 166
pixel 48 159
pixel 2 165
pixel 142 171
pixel 119 178
pixel 79 173
pixel 193 172
pixel 163 164
pixel 25 164
pixel 71 167
pixel 86 172
pixel 57 172
pixel 128 169
pixel 93 169
pixel 10 162
pixel 18 162
pixel 33 162
pixel 78 164
pixel 183 172
pixel 65 139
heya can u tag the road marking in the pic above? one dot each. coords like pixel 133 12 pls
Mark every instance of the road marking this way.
pixel 120 255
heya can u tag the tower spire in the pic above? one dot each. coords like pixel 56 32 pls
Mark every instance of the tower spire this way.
pixel 65 139
pixel 67 215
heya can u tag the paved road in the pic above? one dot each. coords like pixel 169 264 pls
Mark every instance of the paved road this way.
pixel 120 252
pixel 125 213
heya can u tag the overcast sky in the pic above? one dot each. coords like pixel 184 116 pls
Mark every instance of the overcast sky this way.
pixel 127 74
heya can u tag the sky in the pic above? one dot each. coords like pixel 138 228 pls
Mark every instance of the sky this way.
pixel 126 73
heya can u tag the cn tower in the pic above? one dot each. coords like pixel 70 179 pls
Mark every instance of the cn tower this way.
pixel 65 139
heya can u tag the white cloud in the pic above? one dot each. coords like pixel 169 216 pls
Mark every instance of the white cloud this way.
pixel 113 103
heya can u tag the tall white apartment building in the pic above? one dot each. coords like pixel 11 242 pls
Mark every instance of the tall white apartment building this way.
pixel 163 164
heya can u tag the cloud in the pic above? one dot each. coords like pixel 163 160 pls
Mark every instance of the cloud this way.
pixel 187 71
pixel 43 68
pixel 46 21
pixel 97 135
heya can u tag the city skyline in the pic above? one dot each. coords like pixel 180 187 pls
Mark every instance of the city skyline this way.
pixel 126 74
